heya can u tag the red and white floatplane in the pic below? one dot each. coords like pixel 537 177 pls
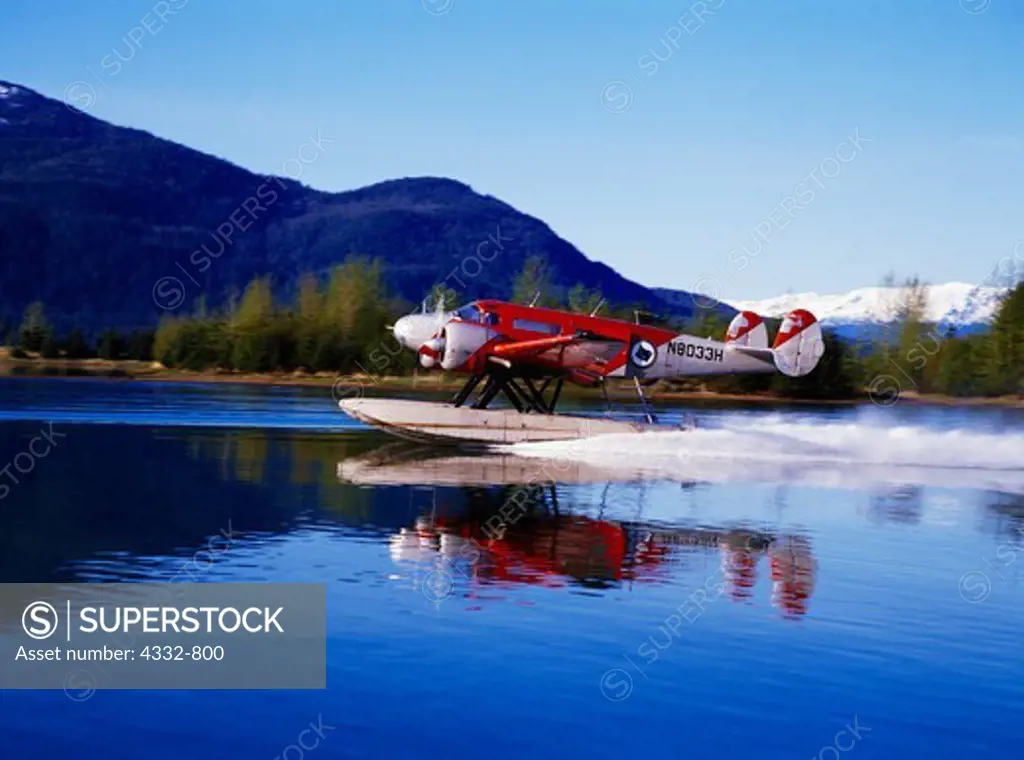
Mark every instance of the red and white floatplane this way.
pixel 527 353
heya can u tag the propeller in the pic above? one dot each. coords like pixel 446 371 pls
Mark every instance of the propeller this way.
pixel 430 353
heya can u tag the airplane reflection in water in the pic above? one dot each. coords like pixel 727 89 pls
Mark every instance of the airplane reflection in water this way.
pixel 510 529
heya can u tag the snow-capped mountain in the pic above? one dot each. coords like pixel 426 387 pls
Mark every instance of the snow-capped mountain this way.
pixel 957 305
pixel 7 92
pixel 11 103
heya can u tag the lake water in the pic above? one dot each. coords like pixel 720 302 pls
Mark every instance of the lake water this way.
pixel 779 583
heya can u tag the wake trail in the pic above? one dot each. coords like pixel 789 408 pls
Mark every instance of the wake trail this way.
pixel 773 447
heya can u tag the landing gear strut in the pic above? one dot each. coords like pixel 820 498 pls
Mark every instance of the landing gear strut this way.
pixel 520 391
pixel 644 404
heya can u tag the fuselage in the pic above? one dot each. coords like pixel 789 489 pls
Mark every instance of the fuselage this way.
pixel 519 322
pixel 485 335
pixel 486 323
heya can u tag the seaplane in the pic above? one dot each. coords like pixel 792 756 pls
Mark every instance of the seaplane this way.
pixel 527 353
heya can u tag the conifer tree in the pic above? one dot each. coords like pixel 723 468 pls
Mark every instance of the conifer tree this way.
pixel 582 299
pixel 1005 365
pixel 308 322
pixel 76 346
pixel 535 278
pixel 48 350
pixel 34 327
pixel 254 343
pixel 109 346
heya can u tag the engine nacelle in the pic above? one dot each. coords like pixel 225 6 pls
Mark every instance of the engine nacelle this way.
pixel 455 345
pixel 431 352
pixel 461 341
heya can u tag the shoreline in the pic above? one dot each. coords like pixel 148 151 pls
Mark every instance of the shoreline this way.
pixel 132 370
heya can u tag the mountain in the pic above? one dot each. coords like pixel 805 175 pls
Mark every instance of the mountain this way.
pixel 684 302
pixel 957 305
pixel 107 224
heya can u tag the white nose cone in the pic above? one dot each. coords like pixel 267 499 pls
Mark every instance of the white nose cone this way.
pixel 403 333
pixel 413 330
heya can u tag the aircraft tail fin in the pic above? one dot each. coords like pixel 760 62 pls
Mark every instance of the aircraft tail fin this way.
pixel 797 348
pixel 798 345
pixel 747 329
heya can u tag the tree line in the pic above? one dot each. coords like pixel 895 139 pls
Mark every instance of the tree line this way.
pixel 35 334
pixel 340 324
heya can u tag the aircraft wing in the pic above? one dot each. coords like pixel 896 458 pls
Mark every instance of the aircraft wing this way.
pixel 570 350
pixel 524 349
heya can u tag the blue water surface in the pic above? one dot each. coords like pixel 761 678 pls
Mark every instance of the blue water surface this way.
pixel 735 617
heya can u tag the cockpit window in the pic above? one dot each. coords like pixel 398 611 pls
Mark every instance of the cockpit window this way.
pixel 471 312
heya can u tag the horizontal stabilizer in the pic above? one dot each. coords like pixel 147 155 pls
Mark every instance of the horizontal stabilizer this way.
pixel 766 355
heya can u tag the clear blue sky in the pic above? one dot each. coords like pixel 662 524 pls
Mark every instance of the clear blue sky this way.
pixel 511 98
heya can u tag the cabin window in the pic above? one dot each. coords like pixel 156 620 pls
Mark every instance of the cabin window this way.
pixel 541 327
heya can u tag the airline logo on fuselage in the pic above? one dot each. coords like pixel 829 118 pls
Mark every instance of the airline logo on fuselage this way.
pixel 696 351
pixel 643 354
